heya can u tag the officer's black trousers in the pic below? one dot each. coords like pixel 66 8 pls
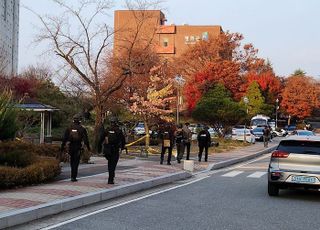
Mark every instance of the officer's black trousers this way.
pixel 187 146
pixel 201 148
pixel 112 164
pixel 180 150
pixel 74 161
pixel 163 152
pixel 112 154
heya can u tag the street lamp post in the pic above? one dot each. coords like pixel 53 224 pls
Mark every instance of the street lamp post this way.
pixel 277 107
pixel 179 80
pixel 246 101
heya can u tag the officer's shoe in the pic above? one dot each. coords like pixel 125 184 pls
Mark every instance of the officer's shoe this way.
pixel 178 161
pixel 74 180
pixel 161 162
pixel 168 163
pixel 110 182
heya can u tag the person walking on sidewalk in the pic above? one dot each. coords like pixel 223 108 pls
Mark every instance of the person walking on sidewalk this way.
pixel 266 135
pixel 204 141
pixel 112 140
pixel 75 135
pixel 187 139
pixel 179 137
pixel 167 138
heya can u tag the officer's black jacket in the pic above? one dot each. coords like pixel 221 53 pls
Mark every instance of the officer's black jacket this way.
pixel 83 133
pixel 167 133
pixel 204 141
pixel 119 140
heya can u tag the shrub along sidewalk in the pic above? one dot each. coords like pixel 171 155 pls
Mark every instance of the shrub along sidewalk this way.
pixel 24 164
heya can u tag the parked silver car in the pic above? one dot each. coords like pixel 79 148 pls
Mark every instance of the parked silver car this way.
pixel 243 134
pixel 295 163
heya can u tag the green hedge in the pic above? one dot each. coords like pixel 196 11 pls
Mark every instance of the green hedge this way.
pixel 24 163
pixel 43 169
pixel 29 148
pixel 17 158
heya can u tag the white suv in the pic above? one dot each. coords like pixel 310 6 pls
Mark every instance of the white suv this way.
pixel 295 163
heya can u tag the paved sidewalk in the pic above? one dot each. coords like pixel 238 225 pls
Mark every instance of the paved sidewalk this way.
pixel 25 204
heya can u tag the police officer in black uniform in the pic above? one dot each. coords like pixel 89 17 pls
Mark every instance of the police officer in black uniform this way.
pixel 179 137
pixel 75 135
pixel 112 140
pixel 167 137
pixel 204 141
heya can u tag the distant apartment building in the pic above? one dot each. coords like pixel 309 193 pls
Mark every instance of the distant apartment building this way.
pixel 9 33
pixel 167 40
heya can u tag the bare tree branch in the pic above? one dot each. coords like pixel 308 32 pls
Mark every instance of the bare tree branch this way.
pixel 82 43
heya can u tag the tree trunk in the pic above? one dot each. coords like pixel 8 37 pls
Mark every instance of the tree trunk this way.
pixel 146 129
pixel 98 121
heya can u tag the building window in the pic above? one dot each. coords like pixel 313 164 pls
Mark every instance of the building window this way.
pixel 205 36
pixel 165 42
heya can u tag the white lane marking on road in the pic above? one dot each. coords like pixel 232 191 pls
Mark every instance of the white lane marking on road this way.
pixel 232 173
pixel 257 174
pixel 255 167
pixel 121 204
pixel 238 165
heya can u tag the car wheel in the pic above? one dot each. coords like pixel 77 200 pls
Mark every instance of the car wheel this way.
pixel 273 190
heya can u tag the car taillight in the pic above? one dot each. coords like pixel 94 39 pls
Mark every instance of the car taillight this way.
pixel 280 154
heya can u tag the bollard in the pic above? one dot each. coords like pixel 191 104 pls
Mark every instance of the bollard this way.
pixel 188 165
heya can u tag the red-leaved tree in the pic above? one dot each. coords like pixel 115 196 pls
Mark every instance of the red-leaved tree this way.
pixel 221 59
pixel 269 84
pixel 300 96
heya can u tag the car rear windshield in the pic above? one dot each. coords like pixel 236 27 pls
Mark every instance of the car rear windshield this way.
pixel 300 147
pixel 305 133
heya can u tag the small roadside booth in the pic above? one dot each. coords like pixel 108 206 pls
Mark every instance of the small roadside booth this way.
pixel 45 111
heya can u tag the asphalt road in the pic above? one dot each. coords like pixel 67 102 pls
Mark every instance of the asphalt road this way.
pixel 232 199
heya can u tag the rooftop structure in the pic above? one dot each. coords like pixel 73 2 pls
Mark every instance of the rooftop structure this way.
pixel 167 40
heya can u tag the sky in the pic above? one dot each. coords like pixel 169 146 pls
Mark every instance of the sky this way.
pixel 286 32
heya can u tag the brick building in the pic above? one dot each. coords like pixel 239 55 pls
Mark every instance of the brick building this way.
pixel 167 40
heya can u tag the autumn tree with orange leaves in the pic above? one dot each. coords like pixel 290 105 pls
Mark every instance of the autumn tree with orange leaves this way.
pixel 300 96
pixel 221 59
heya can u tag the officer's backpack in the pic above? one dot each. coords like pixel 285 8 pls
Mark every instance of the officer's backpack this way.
pixel 203 137
pixel 75 135
pixel 179 136
pixel 166 139
pixel 111 137
pixel 166 135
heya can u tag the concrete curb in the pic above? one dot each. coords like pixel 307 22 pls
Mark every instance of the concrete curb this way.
pixel 28 214
pixel 227 163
